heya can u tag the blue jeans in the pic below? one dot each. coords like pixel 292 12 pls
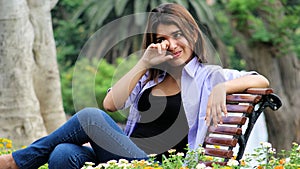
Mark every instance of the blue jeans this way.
pixel 63 148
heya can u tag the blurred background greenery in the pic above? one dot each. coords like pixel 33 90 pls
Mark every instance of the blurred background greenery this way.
pixel 74 21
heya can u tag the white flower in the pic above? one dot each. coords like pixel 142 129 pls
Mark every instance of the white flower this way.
pixel 172 151
pixel 103 165
pixel 208 168
pixel 287 160
pixel 232 162
pixel 266 144
pixel 123 161
pixel 200 166
pixel 200 150
pixel 152 155
pixel 298 148
pixel 111 162
pixel 89 163
pixel 272 151
pixel 123 165
pixel 180 154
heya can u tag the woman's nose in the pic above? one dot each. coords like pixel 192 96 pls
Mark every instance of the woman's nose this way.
pixel 172 44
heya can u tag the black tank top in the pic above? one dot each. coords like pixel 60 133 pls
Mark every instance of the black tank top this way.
pixel 162 126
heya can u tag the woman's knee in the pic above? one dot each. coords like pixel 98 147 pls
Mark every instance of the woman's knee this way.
pixel 70 156
pixel 90 114
pixel 90 111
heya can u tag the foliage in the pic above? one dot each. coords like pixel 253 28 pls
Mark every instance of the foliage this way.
pixel 267 21
pixel 69 35
pixel 264 157
pixel 74 22
pixel 97 75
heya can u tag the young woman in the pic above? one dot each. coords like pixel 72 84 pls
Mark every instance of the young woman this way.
pixel 173 97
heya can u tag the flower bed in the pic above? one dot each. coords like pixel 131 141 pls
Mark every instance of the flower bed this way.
pixel 264 157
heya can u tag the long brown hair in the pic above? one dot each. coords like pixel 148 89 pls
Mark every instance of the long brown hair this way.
pixel 170 13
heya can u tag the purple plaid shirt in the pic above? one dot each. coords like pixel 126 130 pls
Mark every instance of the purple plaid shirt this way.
pixel 197 82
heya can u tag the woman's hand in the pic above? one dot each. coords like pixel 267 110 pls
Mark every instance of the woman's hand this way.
pixel 216 105
pixel 156 54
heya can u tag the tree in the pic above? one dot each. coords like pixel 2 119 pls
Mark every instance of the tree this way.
pixel 30 93
pixel 266 30
pixel 95 15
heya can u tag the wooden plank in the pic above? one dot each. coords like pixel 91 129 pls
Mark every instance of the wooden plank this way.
pixel 261 91
pixel 234 120
pixel 225 130
pixel 239 108
pixel 243 98
pixel 221 141
pixel 218 152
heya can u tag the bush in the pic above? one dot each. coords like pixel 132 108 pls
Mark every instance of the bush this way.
pixel 85 84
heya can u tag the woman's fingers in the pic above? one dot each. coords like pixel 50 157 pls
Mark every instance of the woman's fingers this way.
pixel 214 113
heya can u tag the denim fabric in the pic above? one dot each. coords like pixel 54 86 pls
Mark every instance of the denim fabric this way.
pixel 88 125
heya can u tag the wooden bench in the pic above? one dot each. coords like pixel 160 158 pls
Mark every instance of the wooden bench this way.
pixel 221 140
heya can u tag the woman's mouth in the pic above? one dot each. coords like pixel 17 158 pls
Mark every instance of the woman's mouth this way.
pixel 176 54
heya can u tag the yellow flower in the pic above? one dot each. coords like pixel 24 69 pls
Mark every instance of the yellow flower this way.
pixel 1 145
pixel 8 145
pixel 243 163
pixel 217 146
pixel 226 167
pixel 282 161
pixel 279 167
pixel 209 158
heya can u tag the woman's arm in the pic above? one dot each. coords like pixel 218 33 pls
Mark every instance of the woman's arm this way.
pixel 217 99
pixel 119 93
pixel 245 82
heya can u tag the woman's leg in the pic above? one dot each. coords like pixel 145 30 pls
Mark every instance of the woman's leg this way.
pixel 70 156
pixel 88 125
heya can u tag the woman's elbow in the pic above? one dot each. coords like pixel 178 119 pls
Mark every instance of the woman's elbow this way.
pixel 264 81
pixel 108 105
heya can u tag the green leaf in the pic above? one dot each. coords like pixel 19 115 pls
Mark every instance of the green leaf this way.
pixel 184 3
pixel 120 6
pixel 140 7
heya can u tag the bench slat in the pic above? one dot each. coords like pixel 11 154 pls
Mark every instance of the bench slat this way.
pixel 261 91
pixel 218 152
pixel 239 108
pixel 243 98
pixel 221 141
pixel 234 120
pixel 225 130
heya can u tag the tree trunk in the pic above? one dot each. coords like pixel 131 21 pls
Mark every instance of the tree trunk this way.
pixel 283 73
pixel 30 103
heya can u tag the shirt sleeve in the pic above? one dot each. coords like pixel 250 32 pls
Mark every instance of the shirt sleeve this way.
pixel 135 92
pixel 230 74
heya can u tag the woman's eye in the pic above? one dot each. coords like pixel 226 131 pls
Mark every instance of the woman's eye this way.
pixel 177 35
pixel 159 40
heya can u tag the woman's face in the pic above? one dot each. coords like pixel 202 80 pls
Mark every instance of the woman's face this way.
pixel 179 47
